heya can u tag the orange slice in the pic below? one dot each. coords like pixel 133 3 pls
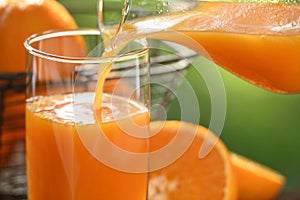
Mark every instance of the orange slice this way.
pixel 189 177
pixel 255 181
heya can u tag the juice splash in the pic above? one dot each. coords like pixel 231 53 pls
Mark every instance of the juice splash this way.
pixel 259 42
pixel 59 165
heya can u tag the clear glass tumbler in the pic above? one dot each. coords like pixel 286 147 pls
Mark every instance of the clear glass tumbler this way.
pixel 86 139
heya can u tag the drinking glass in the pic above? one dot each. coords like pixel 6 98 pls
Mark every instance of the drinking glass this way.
pixel 256 40
pixel 80 143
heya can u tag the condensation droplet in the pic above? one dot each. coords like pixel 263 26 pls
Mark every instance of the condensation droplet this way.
pixel 162 6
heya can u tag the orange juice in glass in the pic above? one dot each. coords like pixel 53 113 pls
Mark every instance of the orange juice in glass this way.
pixel 79 148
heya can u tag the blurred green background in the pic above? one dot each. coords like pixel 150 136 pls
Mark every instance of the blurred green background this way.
pixel 259 124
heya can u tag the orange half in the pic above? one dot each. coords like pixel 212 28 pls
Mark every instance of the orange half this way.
pixel 190 177
pixel 256 181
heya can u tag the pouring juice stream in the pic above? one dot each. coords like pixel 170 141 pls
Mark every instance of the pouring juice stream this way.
pixel 110 50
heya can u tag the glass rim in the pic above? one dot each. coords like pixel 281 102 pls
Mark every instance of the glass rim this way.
pixel 79 60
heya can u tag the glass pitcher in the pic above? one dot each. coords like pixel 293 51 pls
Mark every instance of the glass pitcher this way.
pixel 258 41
